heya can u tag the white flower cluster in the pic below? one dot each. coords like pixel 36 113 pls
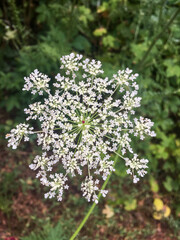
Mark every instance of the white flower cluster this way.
pixel 83 124
pixel 136 164
pixel 37 82
pixel 16 135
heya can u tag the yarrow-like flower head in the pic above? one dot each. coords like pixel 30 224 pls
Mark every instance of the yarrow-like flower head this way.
pixel 37 82
pixel 84 122
pixel 16 135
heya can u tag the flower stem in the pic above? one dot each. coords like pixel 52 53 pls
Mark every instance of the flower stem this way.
pixel 94 204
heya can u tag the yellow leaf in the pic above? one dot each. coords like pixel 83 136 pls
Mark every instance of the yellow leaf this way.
pixel 108 211
pixel 157 215
pixel 167 211
pixel 158 204
pixel 99 32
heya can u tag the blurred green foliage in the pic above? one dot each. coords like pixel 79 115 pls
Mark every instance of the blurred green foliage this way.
pixel 7 189
pixel 140 34
pixel 48 233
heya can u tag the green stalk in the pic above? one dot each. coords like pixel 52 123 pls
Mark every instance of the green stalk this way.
pixel 94 204
pixel 16 19
pixel 164 29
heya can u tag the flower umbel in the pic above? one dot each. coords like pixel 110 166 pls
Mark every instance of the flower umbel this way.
pixel 16 135
pixel 82 124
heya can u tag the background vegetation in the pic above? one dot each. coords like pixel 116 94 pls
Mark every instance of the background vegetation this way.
pixel 140 34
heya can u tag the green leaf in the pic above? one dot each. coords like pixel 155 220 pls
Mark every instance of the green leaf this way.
pixel 178 210
pixel 120 169
pixel 81 43
pixel 139 50
pixel 130 204
pixel 173 69
pixel 99 32
pixel 104 7
pixel 48 233
pixel 154 185
pixel 12 102
pixel 168 184
pixel 109 41
pixel 85 15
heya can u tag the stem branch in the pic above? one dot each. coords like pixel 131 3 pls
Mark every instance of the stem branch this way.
pixel 94 204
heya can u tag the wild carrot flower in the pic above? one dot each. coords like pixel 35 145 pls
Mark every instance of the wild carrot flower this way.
pixel 82 125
